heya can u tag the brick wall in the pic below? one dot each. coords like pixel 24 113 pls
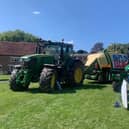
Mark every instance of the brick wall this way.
pixel 5 62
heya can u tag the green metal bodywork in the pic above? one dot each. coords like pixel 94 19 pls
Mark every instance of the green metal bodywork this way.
pixel 117 82
pixel 125 74
pixel 127 68
pixel 32 66
pixel 36 64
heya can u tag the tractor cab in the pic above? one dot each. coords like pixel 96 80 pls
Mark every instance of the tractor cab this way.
pixel 57 49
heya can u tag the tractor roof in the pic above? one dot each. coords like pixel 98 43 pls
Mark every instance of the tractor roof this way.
pixel 45 43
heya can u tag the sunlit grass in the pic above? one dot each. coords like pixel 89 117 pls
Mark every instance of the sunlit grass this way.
pixel 88 107
pixel 4 77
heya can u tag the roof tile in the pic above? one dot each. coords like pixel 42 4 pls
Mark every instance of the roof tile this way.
pixel 17 48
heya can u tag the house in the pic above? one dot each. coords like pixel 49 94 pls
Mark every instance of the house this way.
pixel 10 52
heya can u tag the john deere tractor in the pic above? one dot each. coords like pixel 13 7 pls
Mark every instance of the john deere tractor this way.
pixel 52 66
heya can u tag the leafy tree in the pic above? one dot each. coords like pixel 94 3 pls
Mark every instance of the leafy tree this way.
pixel 97 47
pixel 17 36
pixel 119 48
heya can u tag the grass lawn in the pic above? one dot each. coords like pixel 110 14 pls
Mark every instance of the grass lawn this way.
pixel 4 77
pixel 88 107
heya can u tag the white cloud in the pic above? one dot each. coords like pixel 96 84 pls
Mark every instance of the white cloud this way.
pixel 36 12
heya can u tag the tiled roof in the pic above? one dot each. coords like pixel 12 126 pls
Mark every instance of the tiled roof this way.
pixel 17 48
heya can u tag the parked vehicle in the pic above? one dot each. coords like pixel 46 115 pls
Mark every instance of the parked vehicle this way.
pixel 105 66
pixel 52 66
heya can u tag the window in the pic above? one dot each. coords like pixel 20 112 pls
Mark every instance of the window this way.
pixel 14 59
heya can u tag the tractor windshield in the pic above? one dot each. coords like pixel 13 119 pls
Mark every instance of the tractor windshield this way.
pixel 56 49
pixel 51 49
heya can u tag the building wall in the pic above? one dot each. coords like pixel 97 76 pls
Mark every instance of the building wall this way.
pixel 6 63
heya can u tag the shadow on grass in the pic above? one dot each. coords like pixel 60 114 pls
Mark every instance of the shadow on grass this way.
pixel 4 80
pixel 70 89
pixel 101 83
pixel 34 90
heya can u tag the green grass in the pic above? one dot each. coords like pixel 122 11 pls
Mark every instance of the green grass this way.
pixel 87 107
pixel 4 77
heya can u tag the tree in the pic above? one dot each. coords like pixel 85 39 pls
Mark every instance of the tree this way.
pixel 97 47
pixel 119 48
pixel 17 36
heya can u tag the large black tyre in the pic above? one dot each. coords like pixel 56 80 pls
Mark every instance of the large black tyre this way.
pixel 13 85
pixel 76 74
pixel 48 79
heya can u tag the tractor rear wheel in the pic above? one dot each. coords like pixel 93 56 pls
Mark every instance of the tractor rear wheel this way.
pixel 13 85
pixel 48 79
pixel 76 74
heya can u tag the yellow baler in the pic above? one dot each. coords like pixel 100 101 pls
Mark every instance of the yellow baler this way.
pixel 103 66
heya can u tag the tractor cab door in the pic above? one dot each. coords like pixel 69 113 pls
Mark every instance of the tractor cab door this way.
pixel 34 69
pixel 66 52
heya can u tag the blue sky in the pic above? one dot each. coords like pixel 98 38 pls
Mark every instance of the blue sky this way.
pixel 84 22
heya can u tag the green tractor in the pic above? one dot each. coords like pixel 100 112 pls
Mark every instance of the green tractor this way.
pixel 52 66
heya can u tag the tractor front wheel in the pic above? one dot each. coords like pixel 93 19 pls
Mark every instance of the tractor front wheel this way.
pixel 15 86
pixel 48 79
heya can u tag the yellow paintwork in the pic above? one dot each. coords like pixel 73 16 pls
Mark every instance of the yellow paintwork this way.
pixel 101 59
pixel 78 75
pixel 100 56
pixel 53 80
